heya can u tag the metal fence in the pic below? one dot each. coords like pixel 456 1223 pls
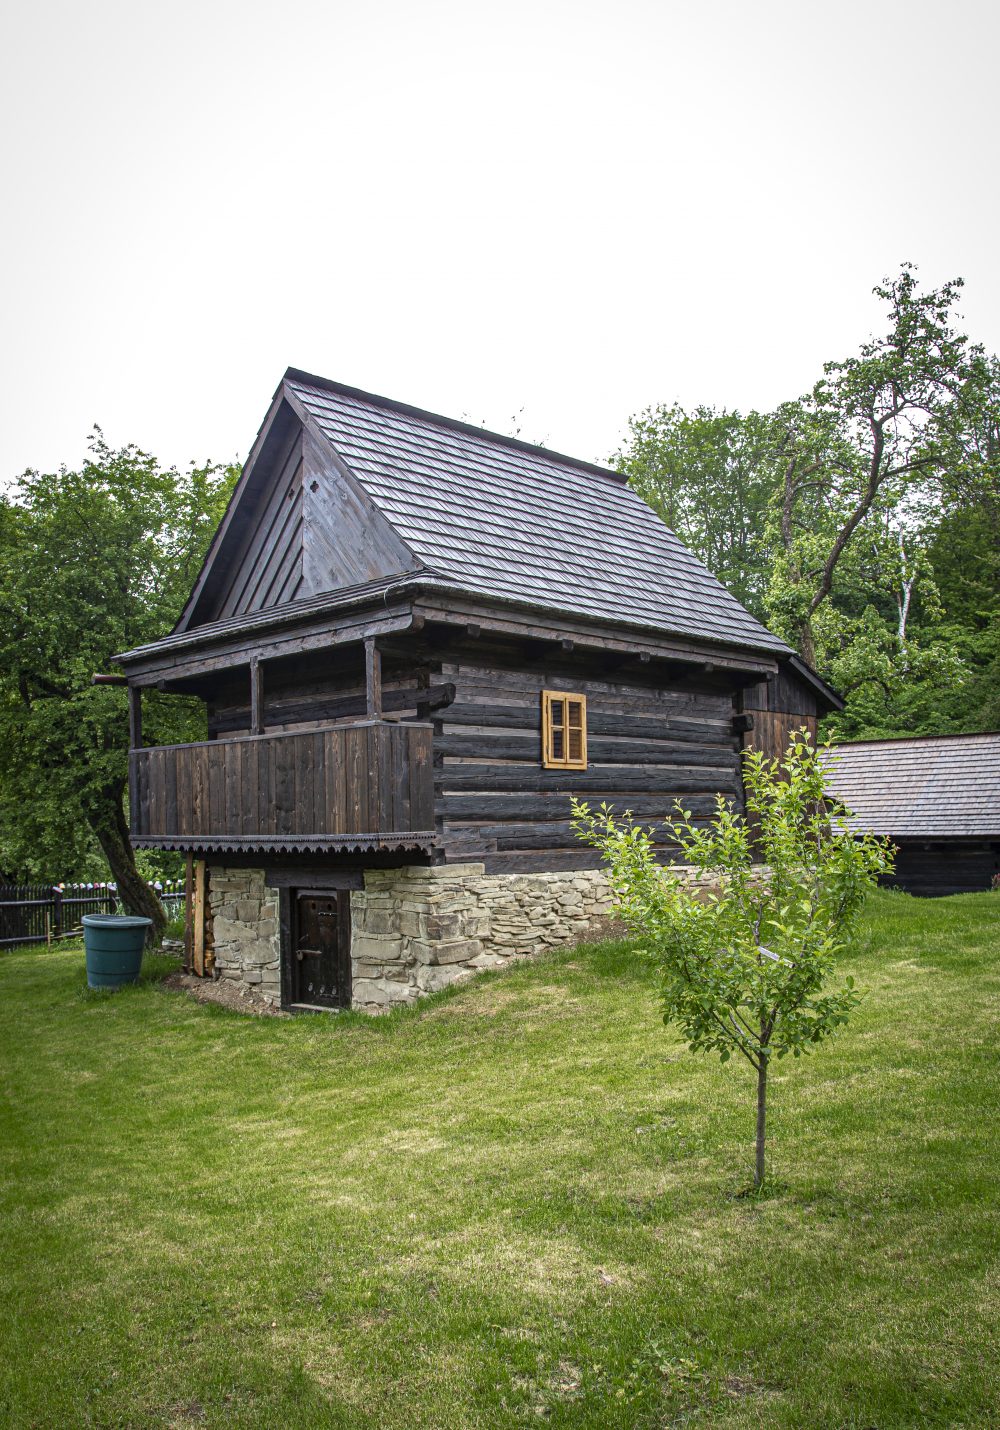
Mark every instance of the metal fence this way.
pixel 39 913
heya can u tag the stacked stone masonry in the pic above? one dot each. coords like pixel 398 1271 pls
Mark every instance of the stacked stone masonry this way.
pixel 418 929
pixel 413 930
pixel 244 915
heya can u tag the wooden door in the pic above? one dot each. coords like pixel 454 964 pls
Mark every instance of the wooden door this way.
pixel 321 948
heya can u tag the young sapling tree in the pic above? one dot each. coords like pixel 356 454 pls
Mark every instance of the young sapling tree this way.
pixel 745 951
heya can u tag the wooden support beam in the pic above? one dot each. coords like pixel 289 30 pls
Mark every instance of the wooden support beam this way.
pixel 256 696
pixel 373 679
pixel 200 908
pixel 135 717
pixel 189 914
pixel 109 680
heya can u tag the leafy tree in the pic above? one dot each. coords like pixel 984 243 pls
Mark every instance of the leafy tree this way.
pixel 874 429
pixel 92 562
pixel 744 966
pixel 709 475
pixel 861 521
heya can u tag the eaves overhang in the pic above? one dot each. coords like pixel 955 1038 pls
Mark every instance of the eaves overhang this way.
pixel 410 590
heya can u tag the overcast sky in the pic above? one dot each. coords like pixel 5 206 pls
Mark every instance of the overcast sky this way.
pixel 574 209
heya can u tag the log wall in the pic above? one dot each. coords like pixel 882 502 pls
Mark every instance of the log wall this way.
pixel 647 746
pixel 655 735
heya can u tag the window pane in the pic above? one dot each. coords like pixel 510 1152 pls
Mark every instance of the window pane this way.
pixel 575 713
pixel 576 744
pixel 557 712
pixel 558 745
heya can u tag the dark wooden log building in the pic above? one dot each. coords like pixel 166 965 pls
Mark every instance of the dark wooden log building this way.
pixel 416 640
pixel 936 797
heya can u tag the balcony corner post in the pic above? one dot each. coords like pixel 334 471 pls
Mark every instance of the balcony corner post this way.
pixel 135 717
pixel 256 696
pixel 373 679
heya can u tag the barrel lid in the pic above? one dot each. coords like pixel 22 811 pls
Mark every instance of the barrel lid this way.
pixel 116 921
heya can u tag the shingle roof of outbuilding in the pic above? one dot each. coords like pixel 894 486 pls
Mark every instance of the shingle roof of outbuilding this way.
pixel 943 786
pixel 497 516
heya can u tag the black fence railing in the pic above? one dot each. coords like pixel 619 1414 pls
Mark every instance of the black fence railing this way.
pixel 39 913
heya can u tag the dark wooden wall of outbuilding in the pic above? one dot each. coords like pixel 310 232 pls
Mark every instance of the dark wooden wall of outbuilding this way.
pixel 943 867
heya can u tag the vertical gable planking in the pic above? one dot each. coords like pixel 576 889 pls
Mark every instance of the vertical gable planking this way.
pixel 269 570
pixel 298 525
pixel 346 540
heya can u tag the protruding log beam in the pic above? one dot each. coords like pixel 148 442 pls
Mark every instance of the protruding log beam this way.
pixel 109 680
pixel 135 717
pixel 256 696
pixel 373 679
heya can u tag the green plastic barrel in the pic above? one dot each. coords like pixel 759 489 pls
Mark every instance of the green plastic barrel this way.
pixel 113 943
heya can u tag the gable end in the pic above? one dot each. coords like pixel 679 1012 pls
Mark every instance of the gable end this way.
pixel 298 525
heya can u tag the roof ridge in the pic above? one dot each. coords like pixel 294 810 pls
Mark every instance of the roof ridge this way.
pixel 311 379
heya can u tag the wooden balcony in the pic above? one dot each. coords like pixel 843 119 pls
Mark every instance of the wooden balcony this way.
pixel 362 786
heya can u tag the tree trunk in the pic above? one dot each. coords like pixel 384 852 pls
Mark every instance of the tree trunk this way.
pixel 758 1175
pixel 806 643
pixel 106 817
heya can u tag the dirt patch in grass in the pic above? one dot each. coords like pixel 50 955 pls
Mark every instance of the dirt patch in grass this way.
pixel 238 997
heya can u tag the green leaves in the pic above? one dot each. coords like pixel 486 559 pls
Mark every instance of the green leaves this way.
pixel 859 520
pixel 707 474
pixel 743 968
pixel 91 562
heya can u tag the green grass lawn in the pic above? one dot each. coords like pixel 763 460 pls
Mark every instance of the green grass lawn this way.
pixel 518 1203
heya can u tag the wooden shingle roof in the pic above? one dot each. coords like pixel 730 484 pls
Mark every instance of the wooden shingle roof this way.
pixel 492 515
pixel 942 786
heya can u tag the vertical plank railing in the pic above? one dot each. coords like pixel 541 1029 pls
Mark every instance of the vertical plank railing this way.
pixel 372 777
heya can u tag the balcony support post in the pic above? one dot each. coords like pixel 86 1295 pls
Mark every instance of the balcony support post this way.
pixel 135 717
pixel 256 696
pixel 373 679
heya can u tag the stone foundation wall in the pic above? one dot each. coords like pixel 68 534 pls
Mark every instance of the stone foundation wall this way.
pixel 244 914
pixel 413 930
pixel 417 929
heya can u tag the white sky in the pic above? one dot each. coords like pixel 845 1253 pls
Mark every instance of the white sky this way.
pixel 571 208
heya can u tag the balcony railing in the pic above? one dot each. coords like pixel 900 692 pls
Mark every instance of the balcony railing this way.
pixel 367 785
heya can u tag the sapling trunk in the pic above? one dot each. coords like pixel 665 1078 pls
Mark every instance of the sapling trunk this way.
pixel 758 1175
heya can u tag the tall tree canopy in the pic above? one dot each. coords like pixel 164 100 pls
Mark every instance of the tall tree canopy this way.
pixel 92 562
pixel 861 520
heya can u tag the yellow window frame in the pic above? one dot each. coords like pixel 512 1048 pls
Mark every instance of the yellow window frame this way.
pixel 564 730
